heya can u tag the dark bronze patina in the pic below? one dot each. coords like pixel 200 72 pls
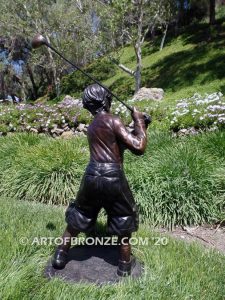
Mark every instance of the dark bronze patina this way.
pixel 104 184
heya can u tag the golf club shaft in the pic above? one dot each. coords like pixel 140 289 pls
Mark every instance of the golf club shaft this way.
pixel 89 76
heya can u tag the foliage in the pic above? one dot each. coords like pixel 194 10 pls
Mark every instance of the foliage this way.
pixel 130 22
pixel 49 172
pixel 199 111
pixel 66 25
pixel 74 83
pixel 189 63
pixel 176 182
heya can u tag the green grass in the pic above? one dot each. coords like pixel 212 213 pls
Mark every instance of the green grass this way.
pixel 177 181
pixel 175 271
pixel 192 62
pixel 41 168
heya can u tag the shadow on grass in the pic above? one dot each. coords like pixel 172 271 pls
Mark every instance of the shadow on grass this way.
pixel 200 65
pixel 183 69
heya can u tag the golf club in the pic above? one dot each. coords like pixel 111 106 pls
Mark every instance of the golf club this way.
pixel 39 40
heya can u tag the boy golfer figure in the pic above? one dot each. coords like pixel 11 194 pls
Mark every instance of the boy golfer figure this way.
pixel 104 184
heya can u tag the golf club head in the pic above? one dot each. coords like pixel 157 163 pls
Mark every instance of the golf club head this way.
pixel 38 41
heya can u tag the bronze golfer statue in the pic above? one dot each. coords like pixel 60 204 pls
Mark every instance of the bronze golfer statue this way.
pixel 104 184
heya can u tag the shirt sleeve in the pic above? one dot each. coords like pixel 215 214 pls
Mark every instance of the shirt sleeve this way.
pixel 137 140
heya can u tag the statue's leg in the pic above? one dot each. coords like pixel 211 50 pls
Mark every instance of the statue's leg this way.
pixel 59 259
pixel 68 234
pixel 126 260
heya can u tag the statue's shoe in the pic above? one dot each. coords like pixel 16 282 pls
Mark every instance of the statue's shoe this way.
pixel 59 259
pixel 125 268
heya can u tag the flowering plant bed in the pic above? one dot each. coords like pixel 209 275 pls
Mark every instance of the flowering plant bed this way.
pixel 41 118
pixel 200 112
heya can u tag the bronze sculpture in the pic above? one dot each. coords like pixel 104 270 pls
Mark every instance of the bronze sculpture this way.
pixel 104 184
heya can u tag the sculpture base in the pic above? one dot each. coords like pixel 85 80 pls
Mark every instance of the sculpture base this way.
pixel 92 264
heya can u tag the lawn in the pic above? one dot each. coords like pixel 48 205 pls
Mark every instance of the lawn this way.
pixel 173 271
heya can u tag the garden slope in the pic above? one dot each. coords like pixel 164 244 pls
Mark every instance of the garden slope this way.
pixel 192 62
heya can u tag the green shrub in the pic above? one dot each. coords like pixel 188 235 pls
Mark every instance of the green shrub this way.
pixel 76 82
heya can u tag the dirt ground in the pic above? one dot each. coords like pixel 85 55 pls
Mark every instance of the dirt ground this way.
pixel 212 236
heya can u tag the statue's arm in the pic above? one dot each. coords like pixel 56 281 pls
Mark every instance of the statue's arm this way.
pixel 137 140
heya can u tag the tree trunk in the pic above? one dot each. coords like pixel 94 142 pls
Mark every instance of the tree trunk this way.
pixel 2 85
pixel 181 14
pixel 34 87
pixel 53 67
pixel 212 12
pixel 137 74
pixel 137 48
pixel 137 79
pixel 163 38
pixel 23 93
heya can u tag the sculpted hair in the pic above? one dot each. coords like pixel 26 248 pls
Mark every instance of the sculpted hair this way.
pixel 96 98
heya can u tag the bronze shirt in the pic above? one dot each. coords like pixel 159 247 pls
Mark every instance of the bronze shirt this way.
pixel 108 138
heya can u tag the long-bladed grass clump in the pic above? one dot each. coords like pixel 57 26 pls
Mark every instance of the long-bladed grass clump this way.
pixel 48 172
pixel 177 181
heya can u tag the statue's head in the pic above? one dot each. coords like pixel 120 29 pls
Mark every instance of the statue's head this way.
pixel 96 99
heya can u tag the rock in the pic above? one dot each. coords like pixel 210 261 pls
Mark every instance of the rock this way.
pixel 34 130
pixel 57 131
pixel 144 93
pixel 67 134
pixel 81 127
pixel 64 125
pixel 187 131
pixel 68 100
pixel 78 133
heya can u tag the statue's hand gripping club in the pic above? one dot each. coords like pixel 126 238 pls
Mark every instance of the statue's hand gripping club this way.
pixel 148 119
pixel 39 40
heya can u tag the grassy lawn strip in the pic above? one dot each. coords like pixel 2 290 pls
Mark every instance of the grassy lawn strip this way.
pixel 174 271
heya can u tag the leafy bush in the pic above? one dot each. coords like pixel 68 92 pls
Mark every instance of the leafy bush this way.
pixel 199 111
pixel 75 82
